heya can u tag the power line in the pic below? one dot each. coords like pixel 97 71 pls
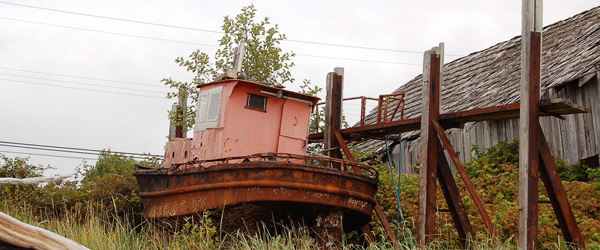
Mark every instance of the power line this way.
pixel 362 47
pixel 62 151
pixel 59 156
pixel 81 77
pixel 215 31
pixel 168 40
pixel 114 18
pixel 87 84
pixel 359 60
pixel 93 90
pixel 107 32
pixel 68 149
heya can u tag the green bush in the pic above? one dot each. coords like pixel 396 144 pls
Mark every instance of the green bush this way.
pixel 495 175
pixel 18 168
pixel 108 185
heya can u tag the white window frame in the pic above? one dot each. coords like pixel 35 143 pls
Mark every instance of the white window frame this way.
pixel 208 100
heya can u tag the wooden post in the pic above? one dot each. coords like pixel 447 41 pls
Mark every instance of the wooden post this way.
pixel 429 144
pixel 181 108
pixel 363 107
pixel 528 124
pixel 333 112
pixel 172 127
pixel 379 105
pixel 329 224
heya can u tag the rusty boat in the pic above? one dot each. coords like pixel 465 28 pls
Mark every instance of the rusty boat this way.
pixel 249 147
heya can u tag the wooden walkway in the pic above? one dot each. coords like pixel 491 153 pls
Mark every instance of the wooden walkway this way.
pixel 548 107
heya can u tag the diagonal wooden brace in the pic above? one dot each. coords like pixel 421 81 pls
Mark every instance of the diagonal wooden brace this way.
pixel 453 199
pixel 463 175
pixel 378 211
pixel 557 195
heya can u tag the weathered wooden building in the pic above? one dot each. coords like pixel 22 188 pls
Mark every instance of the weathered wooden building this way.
pixel 570 70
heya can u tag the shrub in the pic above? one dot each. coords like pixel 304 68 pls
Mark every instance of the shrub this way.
pixel 495 175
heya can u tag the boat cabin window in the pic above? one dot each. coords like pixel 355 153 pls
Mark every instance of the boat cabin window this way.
pixel 257 102
pixel 209 104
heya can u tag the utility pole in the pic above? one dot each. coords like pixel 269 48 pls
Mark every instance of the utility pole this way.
pixel 529 132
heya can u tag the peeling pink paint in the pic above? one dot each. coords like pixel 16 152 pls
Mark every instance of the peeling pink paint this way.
pixel 177 151
pixel 239 131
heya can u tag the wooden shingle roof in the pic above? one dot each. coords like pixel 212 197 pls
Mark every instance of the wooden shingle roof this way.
pixel 491 77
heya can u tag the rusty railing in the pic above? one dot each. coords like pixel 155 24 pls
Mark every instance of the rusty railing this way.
pixel 325 162
pixel 382 107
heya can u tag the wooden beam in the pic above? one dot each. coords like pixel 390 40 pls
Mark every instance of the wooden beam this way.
pixel 333 112
pixel 17 233
pixel 429 144
pixel 557 195
pixel 366 229
pixel 463 175
pixel 529 133
pixel 454 200
pixel 509 111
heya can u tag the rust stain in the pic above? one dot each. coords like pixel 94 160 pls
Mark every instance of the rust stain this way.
pixel 191 187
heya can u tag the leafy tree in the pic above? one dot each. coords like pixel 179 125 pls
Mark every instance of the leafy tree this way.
pixel 264 61
pixel 19 168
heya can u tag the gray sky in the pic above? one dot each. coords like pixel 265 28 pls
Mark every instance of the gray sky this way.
pixel 36 53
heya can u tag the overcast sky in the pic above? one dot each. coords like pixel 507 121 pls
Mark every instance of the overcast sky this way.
pixel 80 81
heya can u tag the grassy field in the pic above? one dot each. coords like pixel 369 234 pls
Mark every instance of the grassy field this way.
pixel 103 211
pixel 101 230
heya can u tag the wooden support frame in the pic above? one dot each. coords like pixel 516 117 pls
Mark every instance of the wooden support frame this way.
pixel 557 195
pixel 465 178
pixel 429 146
pixel 453 199
pixel 535 156
pixel 528 120
pixel 433 161
pixel 333 140
pixel 366 229
pixel 333 113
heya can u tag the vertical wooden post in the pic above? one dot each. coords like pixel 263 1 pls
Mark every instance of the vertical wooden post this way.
pixel 528 124
pixel 363 107
pixel 379 105
pixel 172 127
pixel 180 116
pixel 329 224
pixel 429 144
pixel 333 112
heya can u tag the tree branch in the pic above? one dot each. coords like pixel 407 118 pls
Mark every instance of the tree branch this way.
pixel 34 180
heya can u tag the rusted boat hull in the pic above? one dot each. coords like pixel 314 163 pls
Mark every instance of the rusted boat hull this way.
pixel 169 193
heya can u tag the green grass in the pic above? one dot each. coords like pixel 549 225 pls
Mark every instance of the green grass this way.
pixel 103 210
pixel 103 230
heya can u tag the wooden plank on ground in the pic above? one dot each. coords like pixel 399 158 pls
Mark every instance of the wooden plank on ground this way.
pixel 17 233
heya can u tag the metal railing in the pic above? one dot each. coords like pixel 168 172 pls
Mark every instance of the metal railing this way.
pixel 317 161
pixel 383 102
